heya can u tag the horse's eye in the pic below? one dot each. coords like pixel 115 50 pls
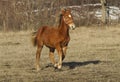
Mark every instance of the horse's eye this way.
pixel 69 16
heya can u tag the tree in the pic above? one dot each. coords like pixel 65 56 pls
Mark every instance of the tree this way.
pixel 104 11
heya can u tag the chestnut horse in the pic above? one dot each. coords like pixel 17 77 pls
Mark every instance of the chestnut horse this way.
pixel 54 38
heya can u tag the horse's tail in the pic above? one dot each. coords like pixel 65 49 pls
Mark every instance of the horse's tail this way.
pixel 34 39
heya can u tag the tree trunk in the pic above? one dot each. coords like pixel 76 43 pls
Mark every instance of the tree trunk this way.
pixel 104 11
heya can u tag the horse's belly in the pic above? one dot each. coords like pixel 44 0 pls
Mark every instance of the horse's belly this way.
pixel 48 44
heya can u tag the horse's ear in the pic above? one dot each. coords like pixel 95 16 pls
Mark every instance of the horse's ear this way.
pixel 68 10
pixel 62 11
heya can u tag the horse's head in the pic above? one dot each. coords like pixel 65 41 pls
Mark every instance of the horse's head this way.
pixel 68 19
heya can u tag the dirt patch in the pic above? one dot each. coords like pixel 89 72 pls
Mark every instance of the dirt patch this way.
pixel 9 43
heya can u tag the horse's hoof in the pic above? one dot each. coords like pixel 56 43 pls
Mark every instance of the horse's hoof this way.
pixel 38 70
pixel 55 65
pixel 59 66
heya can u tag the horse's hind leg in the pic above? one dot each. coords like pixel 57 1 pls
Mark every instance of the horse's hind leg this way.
pixel 38 53
pixel 51 55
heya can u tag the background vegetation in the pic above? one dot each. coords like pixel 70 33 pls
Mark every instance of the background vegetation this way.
pixel 31 14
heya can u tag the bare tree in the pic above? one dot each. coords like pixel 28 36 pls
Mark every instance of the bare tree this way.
pixel 31 14
pixel 104 11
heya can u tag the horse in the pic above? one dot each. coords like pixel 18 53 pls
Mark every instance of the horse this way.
pixel 54 38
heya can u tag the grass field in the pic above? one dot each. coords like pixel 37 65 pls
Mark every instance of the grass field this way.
pixel 93 55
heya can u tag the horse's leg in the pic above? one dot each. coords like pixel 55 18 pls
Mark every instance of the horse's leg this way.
pixel 60 52
pixel 64 52
pixel 51 55
pixel 38 53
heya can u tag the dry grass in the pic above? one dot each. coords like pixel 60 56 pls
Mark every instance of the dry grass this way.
pixel 92 56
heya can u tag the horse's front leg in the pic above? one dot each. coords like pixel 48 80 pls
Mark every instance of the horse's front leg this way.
pixel 38 53
pixel 64 52
pixel 60 53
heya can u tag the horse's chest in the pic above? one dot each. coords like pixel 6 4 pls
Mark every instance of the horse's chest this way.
pixel 65 41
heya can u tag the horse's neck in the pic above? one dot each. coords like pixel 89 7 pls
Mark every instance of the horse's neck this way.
pixel 63 28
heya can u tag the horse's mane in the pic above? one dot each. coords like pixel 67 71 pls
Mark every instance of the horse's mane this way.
pixel 60 18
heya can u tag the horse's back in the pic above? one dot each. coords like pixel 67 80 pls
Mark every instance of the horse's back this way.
pixel 46 29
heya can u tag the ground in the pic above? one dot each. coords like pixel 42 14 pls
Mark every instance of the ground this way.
pixel 93 55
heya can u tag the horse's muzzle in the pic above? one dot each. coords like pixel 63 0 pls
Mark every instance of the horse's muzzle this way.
pixel 72 26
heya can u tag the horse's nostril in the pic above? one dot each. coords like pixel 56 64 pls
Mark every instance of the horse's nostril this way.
pixel 73 27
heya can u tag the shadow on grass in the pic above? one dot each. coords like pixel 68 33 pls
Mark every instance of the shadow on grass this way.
pixel 72 65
